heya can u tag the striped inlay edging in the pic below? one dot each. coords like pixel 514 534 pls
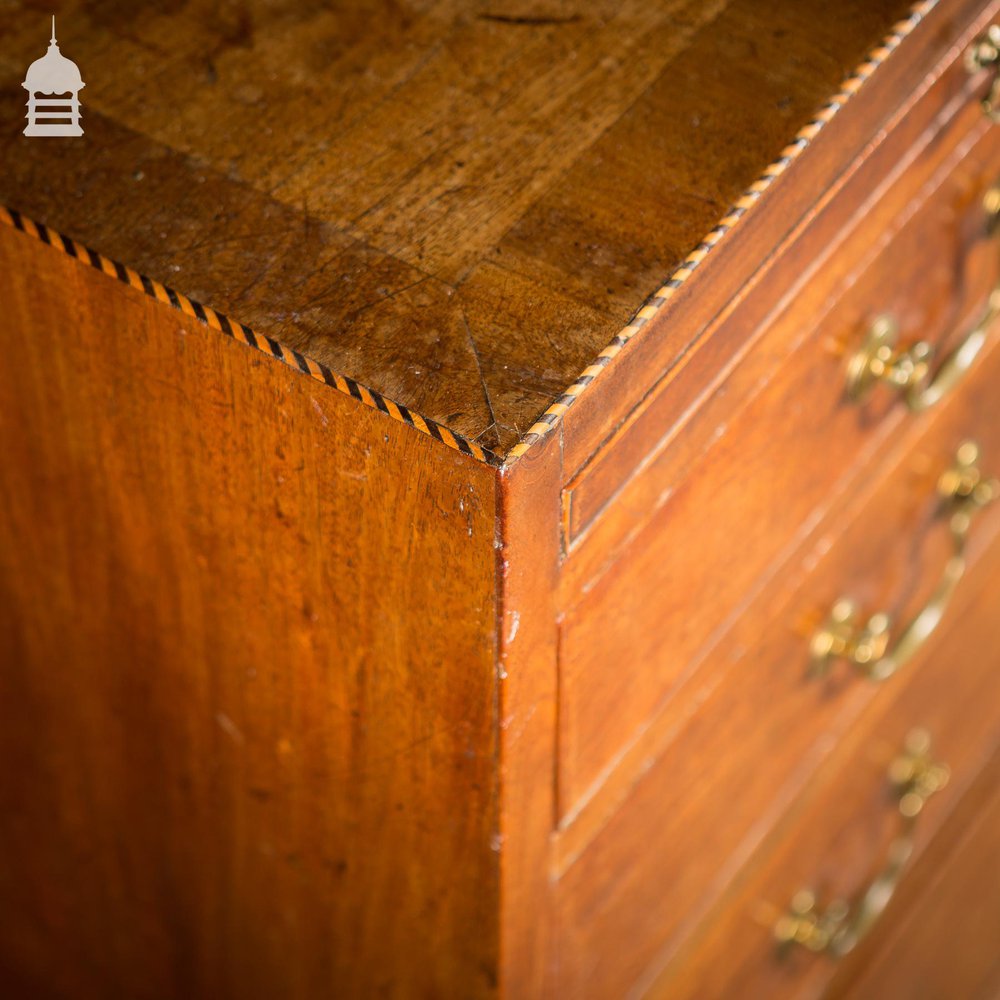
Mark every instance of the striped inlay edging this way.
pixel 242 333
pixel 551 417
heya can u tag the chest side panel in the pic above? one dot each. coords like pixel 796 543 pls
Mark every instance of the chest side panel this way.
pixel 247 628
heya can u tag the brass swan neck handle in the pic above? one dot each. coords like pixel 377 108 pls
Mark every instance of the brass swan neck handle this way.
pixel 964 491
pixel 837 930
pixel 908 370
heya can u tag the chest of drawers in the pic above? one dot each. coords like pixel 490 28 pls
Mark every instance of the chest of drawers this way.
pixel 497 501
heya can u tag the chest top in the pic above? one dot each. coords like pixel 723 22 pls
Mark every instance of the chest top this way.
pixel 458 205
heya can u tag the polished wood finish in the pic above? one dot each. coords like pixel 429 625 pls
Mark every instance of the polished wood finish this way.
pixel 759 469
pixel 666 432
pixel 427 197
pixel 836 836
pixel 248 735
pixel 302 702
pixel 528 569
pixel 745 740
pixel 744 272
pixel 944 940
pixel 865 207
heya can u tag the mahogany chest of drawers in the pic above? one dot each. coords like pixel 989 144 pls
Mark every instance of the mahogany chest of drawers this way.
pixel 497 501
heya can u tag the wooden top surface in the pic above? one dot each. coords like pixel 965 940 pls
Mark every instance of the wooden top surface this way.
pixel 458 204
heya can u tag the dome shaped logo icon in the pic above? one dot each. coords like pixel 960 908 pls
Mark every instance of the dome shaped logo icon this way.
pixel 53 84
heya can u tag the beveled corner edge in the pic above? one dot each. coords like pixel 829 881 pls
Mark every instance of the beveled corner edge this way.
pixel 245 335
pixel 653 305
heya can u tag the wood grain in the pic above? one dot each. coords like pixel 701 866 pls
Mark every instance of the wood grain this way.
pixel 931 195
pixel 247 636
pixel 696 323
pixel 836 836
pixel 691 812
pixel 451 205
pixel 767 455
pixel 941 939
pixel 299 702
pixel 528 569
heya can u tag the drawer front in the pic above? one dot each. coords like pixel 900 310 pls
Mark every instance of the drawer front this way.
pixel 742 746
pixel 941 933
pixel 632 635
pixel 848 831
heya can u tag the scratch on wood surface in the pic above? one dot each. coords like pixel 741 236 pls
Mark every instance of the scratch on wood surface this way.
pixel 229 728
pixel 482 377
pixel 319 410
pixel 529 19
pixel 515 624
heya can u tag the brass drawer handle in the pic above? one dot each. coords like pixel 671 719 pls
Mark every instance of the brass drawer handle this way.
pixel 964 490
pixel 985 55
pixel 914 778
pixel 908 370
